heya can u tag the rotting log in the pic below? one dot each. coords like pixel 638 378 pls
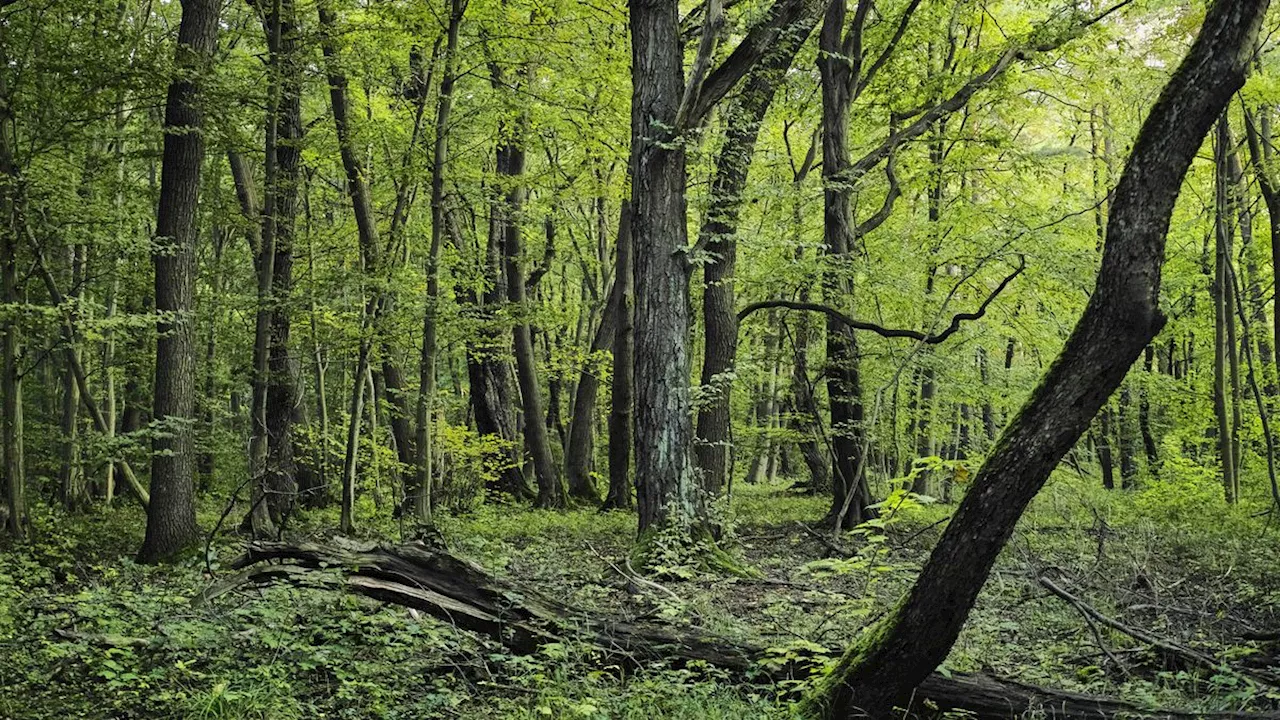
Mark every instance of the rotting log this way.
pixel 455 590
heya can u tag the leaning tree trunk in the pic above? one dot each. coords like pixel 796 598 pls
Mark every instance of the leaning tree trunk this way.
pixel 1121 318
pixel 719 236
pixel 462 594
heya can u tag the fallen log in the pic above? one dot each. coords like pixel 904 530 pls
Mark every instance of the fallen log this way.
pixel 432 580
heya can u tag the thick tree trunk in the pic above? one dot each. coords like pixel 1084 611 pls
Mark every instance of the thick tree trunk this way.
pixel 1121 318
pixel 171 516
pixel 669 493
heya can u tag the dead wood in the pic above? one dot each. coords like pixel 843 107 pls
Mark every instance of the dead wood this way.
pixel 455 590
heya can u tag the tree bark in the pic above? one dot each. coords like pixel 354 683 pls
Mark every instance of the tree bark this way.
pixel 551 489
pixel 171 515
pixel 718 236
pixel 1224 408
pixel 668 491
pixel 424 437
pixel 622 400
pixel 1120 319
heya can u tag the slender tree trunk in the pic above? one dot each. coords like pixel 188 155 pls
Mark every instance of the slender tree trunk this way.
pixel 260 233
pixel 11 440
pixel 551 489
pixel 1121 318
pixel 1222 345
pixel 1102 442
pixel 71 474
pixel 1144 413
pixel 370 251
pixel 424 437
pixel 1128 439
pixel 579 453
pixel 171 516
pixel 622 403
pixel 719 236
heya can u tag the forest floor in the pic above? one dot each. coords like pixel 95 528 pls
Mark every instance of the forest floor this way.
pixel 86 633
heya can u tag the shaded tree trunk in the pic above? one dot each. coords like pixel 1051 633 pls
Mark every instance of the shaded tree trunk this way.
pixel 622 402
pixel 668 491
pixel 171 515
pixel 424 436
pixel 719 238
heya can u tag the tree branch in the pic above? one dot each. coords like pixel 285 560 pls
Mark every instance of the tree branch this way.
pixel 711 26
pixel 1041 40
pixel 761 38
pixel 926 338
pixel 886 209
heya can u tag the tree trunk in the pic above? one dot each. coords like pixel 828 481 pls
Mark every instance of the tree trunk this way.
pixel 551 489
pixel 622 401
pixel 580 452
pixel 719 231
pixel 171 516
pixel 1120 319
pixel 1144 413
pixel 1222 320
pixel 370 250
pixel 668 490
pixel 282 377
pixel 850 495
pixel 424 437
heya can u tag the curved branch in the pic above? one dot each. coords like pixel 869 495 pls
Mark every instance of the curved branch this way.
pixel 926 338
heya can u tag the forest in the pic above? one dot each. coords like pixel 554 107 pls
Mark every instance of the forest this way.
pixel 792 359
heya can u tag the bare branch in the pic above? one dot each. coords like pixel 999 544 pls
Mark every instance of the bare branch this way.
pixel 927 339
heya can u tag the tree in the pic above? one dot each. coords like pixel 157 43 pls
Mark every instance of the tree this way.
pixel 171 516
pixel 1121 318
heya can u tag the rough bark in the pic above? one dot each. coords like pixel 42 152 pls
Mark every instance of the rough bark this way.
pixel 171 515
pixel 718 237
pixel 668 491
pixel 1120 319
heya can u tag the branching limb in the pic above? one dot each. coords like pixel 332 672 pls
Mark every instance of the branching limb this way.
pixel 926 338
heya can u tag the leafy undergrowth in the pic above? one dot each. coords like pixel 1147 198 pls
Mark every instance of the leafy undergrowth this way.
pixel 85 632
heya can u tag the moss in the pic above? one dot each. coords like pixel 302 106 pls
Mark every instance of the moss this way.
pixel 695 550
pixel 816 703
